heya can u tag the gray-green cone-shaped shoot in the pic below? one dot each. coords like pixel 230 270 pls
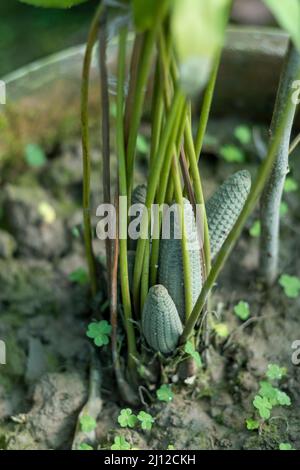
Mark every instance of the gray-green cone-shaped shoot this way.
pixel 225 206
pixel 139 194
pixel 161 324
pixel 170 272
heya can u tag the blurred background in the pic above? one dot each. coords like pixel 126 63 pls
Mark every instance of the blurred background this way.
pixel 28 33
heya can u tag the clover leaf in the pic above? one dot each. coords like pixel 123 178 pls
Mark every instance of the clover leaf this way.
pixel 283 398
pixel 164 393
pixel 189 348
pixel 255 230
pixel 284 208
pixel 252 424
pixel 146 420
pixel 84 446
pixel 120 443
pixel 263 405
pixel 79 276
pixel 127 419
pixel 87 423
pixel 243 134
pixel 290 285
pixel 285 446
pixel 275 372
pixel 99 332
pixel 242 310
pixel 290 185
pixel 232 154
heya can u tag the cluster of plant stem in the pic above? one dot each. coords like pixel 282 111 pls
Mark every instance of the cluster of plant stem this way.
pixel 176 47
pixel 173 165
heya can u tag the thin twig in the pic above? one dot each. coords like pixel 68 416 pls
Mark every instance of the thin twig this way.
pixel 87 226
pixel 105 134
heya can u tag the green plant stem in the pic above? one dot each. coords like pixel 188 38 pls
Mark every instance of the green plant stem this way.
pixel 194 170
pixel 142 76
pixel 255 192
pixel 206 106
pixel 133 77
pixel 272 194
pixel 106 183
pixel 87 226
pixel 176 107
pixel 162 190
pixel 156 112
pixel 123 192
pixel 184 242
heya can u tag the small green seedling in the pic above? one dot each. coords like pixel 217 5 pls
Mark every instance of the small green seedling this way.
pixel 127 419
pixel 189 349
pixel 263 405
pixel 120 443
pixel 232 154
pixel 284 208
pixel 142 145
pixel 252 424
pixel 79 276
pixel 35 156
pixel 290 285
pixel 164 393
pixel 286 446
pixel 99 332
pixel 242 310
pixel 221 330
pixel 146 420
pixel 87 423
pixel 275 372
pixel 255 230
pixel 84 446
pixel 290 185
pixel 243 134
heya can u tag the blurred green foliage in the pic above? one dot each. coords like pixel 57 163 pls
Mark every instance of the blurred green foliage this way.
pixel 28 33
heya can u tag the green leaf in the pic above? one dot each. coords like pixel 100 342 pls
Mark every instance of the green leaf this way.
pixel 146 13
pixel 164 393
pixel 142 145
pixel 285 446
pixel 80 276
pixel 84 446
pixel 120 443
pixel 198 28
pixel 275 372
pixel 171 447
pixel 268 391
pixel 284 208
pixel 263 405
pixel 242 310
pixel 146 420
pixel 35 156
pixel 252 424
pixel 87 423
pixel 255 230
pixel 232 154
pixel 290 285
pixel 282 398
pixel 221 329
pixel 243 134
pixel 53 3
pixel 189 348
pixel 290 185
pixel 99 332
pixel 287 13
pixel 127 418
